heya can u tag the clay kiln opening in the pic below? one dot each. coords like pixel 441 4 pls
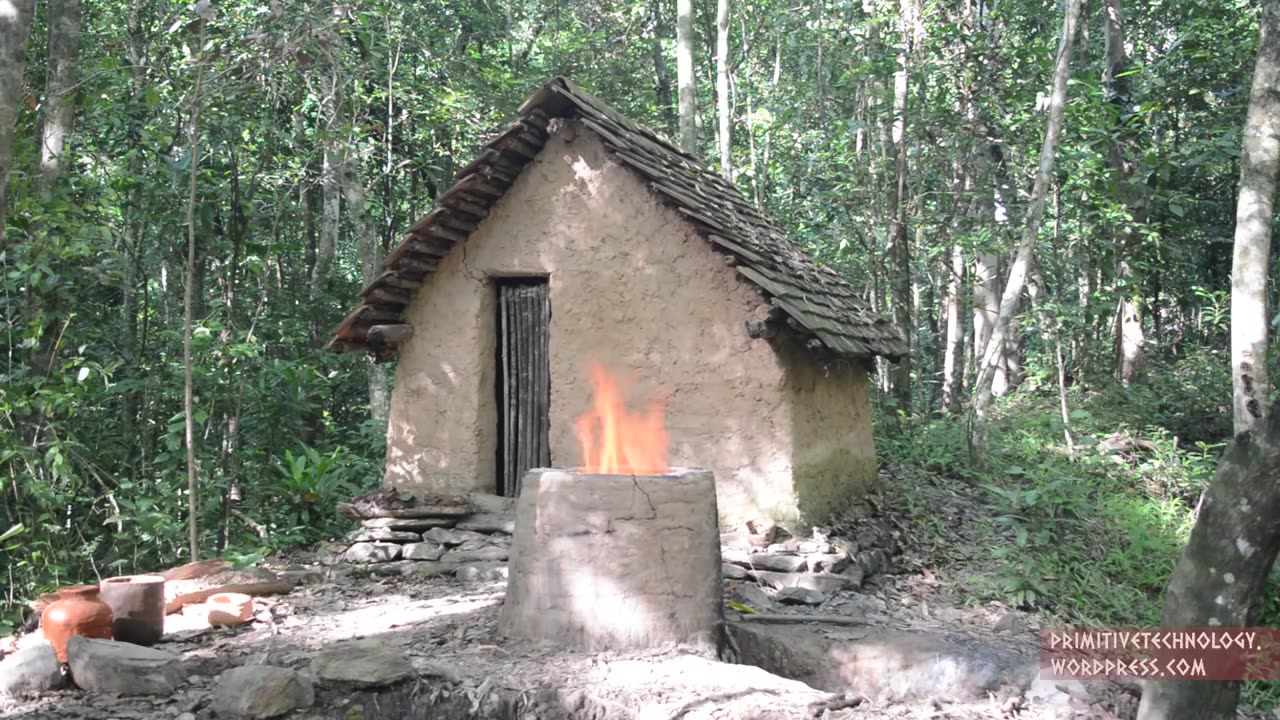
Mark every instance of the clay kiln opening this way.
pixel 523 379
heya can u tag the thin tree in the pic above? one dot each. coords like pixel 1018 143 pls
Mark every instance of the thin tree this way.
pixel 685 88
pixel 1255 212
pixel 1129 338
pixel 1016 281
pixel 188 300
pixel 899 249
pixel 15 29
pixel 1222 574
pixel 723 107
pixel 64 43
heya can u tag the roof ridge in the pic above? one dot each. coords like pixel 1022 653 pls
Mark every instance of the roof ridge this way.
pixel 819 301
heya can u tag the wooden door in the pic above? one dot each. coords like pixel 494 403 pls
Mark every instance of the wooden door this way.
pixel 524 380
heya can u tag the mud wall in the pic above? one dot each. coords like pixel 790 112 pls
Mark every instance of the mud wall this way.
pixel 633 286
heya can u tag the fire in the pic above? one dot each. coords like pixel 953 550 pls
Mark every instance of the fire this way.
pixel 615 441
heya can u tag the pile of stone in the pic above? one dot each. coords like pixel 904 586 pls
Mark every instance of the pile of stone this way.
pixel 806 570
pixel 467 536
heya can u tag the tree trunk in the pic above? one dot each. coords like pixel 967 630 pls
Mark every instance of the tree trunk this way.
pixel 15 28
pixel 1129 336
pixel 986 304
pixel 685 84
pixel 188 303
pixel 661 76
pixel 1220 579
pixel 331 195
pixel 1255 212
pixel 723 106
pixel 952 359
pixel 899 251
pixel 1035 214
pixel 355 195
pixel 64 42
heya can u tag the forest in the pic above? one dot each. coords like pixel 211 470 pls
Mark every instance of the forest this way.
pixel 1043 195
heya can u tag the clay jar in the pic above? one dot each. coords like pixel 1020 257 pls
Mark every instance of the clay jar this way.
pixel 137 607
pixel 77 611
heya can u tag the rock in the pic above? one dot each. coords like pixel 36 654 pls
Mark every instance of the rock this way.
pixel 810 547
pixel 410 524
pixel 779 563
pixel 422 551
pixel 446 536
pixel 426 569
pixel 373 552
pixel 737 556
pixel 733 572
pixel 800 596
pixel 1009 623
pixel 261 691
pixel 827 563
pixel 1058 692
pixel 107 666
pixel 488 523
pixel 371 662
pixel 811 581
pixel 302 575
pixel 489 504
pixel 30 671
pixel 753 596
pixel 872 561
pixel 855 574
pixel 482 572
pixel 482 554
pixel 390 569
pixel 384 535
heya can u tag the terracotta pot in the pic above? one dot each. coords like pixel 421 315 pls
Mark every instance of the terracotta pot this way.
pixel 229 608
pixel 77 611
pixel 137 607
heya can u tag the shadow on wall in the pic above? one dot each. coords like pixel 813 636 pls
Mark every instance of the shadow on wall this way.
pixel 833 455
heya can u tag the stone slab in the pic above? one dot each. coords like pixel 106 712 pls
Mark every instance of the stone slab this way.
pixel 810 581
pixel 372 552
pixel 885 665
pixel 384 535
pixel 422 551
pixel 410 524
pixel 489 523
pixel 30 671
pixel 371 662
pixel 107 666
pixel 261 691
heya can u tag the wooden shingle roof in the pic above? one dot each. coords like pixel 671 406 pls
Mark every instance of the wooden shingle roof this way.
pixel 816 300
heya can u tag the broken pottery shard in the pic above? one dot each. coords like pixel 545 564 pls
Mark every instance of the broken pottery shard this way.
pixel 422 551
pixel 261 691
pixel 488 523
pixel 732 572
pixel 371 662
pixel 779 563
pixel 383 535
pixel 824 563
pixel 31 671
pixel 445 536
pixel 602 561
pixel 410 524
pixel 107 666
pixel 821 583
pixel 481 554
pixel 800 596
pixel 371 552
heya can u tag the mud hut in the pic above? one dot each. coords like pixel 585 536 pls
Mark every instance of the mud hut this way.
pixel 576 238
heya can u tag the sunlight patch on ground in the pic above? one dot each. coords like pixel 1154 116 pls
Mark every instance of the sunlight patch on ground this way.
pixel 397 611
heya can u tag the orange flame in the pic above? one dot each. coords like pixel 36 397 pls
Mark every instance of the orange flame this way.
pixel 614 441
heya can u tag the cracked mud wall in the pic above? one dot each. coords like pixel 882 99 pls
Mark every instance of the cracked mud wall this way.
pixel 633 286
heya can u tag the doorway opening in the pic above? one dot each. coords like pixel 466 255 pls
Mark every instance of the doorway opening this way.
pixel 524 379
